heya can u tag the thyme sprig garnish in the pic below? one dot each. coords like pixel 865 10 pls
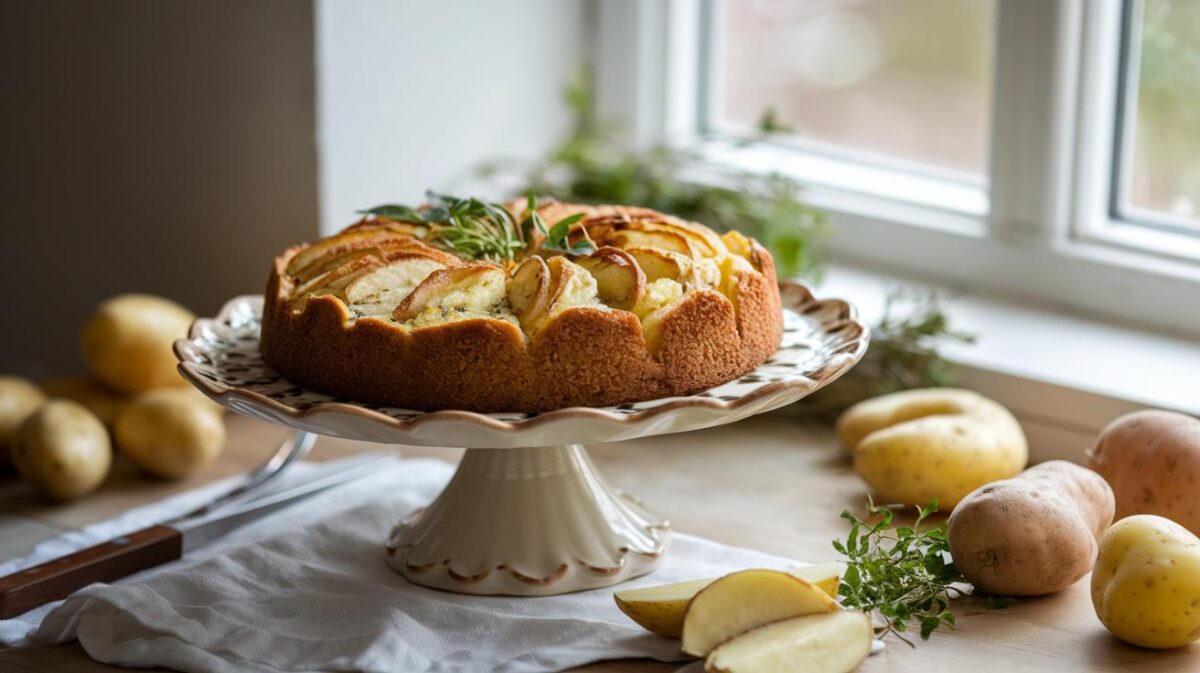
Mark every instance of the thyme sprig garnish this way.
pixel 469 227
pixel 903 574
pixel 477 229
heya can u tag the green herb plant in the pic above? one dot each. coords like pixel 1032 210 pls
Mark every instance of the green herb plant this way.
pixel 902 574
pixel 904 353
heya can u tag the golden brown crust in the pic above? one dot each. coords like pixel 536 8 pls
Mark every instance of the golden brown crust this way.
pixel 584 356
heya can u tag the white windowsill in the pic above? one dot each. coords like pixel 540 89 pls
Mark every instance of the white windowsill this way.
pixel 1064 376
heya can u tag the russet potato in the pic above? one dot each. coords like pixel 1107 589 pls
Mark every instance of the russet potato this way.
pixel 63 450
pixel 18 399
pixel 660 609
pixel 741 601
pixel 1146 584
pixel 829 642
pixel 128 341
pixel 1033 534
pixel 170 432
pixel 917 445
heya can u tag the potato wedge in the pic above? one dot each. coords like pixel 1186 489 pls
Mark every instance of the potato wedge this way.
pixel 831 642
pixel 739 602
pixel 660 609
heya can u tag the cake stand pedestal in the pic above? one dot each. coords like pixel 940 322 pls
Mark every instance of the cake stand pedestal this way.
pixel 526 514
pixel 528 522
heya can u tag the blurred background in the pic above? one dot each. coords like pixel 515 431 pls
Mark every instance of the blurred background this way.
pixel 176 147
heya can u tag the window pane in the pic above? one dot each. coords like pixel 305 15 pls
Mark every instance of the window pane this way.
pixel 905 78
pixel 1165 174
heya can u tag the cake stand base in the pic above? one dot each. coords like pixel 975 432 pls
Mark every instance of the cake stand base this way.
pixel 527 522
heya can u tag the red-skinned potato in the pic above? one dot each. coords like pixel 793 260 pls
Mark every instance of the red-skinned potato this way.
pixel 1152 461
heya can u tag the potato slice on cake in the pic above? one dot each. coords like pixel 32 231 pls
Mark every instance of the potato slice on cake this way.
pixel 620 282
pixel 746 600
pixel 457 293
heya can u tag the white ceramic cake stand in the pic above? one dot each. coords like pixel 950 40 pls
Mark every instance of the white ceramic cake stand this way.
pixel 534 518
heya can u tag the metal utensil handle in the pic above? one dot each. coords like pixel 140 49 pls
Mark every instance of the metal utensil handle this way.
pixel 58 578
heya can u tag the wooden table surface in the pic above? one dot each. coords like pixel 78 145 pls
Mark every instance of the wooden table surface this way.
pixel 772 483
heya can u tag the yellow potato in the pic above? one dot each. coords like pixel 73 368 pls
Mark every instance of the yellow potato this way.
pixel 1146 583
pixel 63 450
pixel 660 609
pixel 943 443
pixel 98 399
pixel 169 432
pixel 18 399
pixel 127 343
pixel 747 600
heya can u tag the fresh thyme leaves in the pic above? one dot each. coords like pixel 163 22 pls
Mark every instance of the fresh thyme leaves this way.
pixel 903 574
pixel 481 230
pixel 467 226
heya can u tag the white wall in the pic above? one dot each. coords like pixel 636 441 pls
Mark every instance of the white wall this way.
pixel 412 95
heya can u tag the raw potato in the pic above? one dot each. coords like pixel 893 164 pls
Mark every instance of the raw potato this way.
pixel 63 450
pixel 1152 461
pixel 660 609
pixel 128 342
pixel 18 399
pixel 98 399
pixel 1146 586
pixel 832 642
pixel 169 432
pixel 943 443
pixel 1033 534
pixel 736 603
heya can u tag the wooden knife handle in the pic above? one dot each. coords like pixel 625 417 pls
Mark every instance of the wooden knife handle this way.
pixel 112 560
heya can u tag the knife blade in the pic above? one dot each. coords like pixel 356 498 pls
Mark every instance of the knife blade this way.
pixel 125 555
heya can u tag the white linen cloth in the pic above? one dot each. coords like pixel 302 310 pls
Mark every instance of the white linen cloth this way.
pixel 307 589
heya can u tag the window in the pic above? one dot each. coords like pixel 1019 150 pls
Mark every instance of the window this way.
pixel 871 76
pixel 1041 149
pixel 1160 174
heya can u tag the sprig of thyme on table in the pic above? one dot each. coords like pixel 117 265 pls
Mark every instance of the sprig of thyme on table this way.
pixel 903 574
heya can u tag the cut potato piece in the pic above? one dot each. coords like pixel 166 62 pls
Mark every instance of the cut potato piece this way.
pixel 671 241
pixel 658 264
pixel 396 279
pixel 457 293
pixel 347 241
pixel 660 609
pixel 746 600
pixel 832 642
pixel 529 291
pixel 620 282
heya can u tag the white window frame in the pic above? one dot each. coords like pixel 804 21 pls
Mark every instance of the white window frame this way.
pixel 1042 230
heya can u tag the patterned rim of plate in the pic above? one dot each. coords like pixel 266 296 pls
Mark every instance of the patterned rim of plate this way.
pixel 221 357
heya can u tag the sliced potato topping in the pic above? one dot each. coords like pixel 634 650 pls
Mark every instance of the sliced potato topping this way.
pixel 380 290
pixel 453 294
